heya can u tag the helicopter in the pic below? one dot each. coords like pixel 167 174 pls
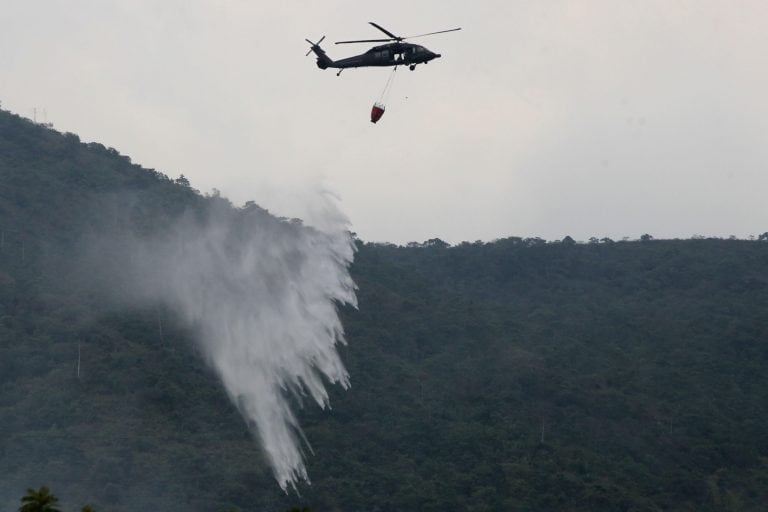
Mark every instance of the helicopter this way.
pixel 395 53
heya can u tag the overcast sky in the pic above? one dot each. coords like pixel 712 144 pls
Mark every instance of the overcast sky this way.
pixel 547 118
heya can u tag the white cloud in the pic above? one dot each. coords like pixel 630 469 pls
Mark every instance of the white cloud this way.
pixel 540 119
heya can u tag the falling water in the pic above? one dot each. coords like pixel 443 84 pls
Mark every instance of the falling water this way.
pixel 263 294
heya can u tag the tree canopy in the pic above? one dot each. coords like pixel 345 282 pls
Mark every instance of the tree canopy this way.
pixel 517 374
pixel 41 500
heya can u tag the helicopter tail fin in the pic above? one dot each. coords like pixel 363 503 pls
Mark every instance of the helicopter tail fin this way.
pixel 323 61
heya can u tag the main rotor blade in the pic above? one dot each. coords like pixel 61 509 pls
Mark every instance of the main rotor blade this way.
pixel 432 33
pixel 365 41
pixel 390 34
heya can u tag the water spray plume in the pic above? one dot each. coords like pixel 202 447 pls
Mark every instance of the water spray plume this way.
pixel 263 294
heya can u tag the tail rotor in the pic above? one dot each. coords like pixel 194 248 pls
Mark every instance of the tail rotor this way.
pixel 317 44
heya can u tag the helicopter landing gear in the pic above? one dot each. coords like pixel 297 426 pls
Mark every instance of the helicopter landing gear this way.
pixel 412 67
pixel 342 69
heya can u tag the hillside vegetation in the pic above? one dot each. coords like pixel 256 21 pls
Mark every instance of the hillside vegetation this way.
pixel 517 375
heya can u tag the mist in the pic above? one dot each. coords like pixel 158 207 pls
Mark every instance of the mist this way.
pixel 262 295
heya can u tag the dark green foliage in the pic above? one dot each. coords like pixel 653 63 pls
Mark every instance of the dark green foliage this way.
pixel 41 500
pixel 522 375
pixel 119 433
pixel 516 375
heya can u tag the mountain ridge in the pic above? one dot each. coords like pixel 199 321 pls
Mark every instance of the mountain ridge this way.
pixel 517 374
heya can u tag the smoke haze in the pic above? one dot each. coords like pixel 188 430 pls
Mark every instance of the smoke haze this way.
pixel 262 294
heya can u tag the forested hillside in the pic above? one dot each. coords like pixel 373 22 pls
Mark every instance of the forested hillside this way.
pixel 512 375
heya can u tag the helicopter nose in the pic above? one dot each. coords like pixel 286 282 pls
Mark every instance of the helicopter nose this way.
pixel 437 55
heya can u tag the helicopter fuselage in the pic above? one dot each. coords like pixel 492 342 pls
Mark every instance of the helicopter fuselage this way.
pixel 391 54
pixel 395 53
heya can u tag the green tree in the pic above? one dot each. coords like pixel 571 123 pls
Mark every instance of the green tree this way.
pixel 41 500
